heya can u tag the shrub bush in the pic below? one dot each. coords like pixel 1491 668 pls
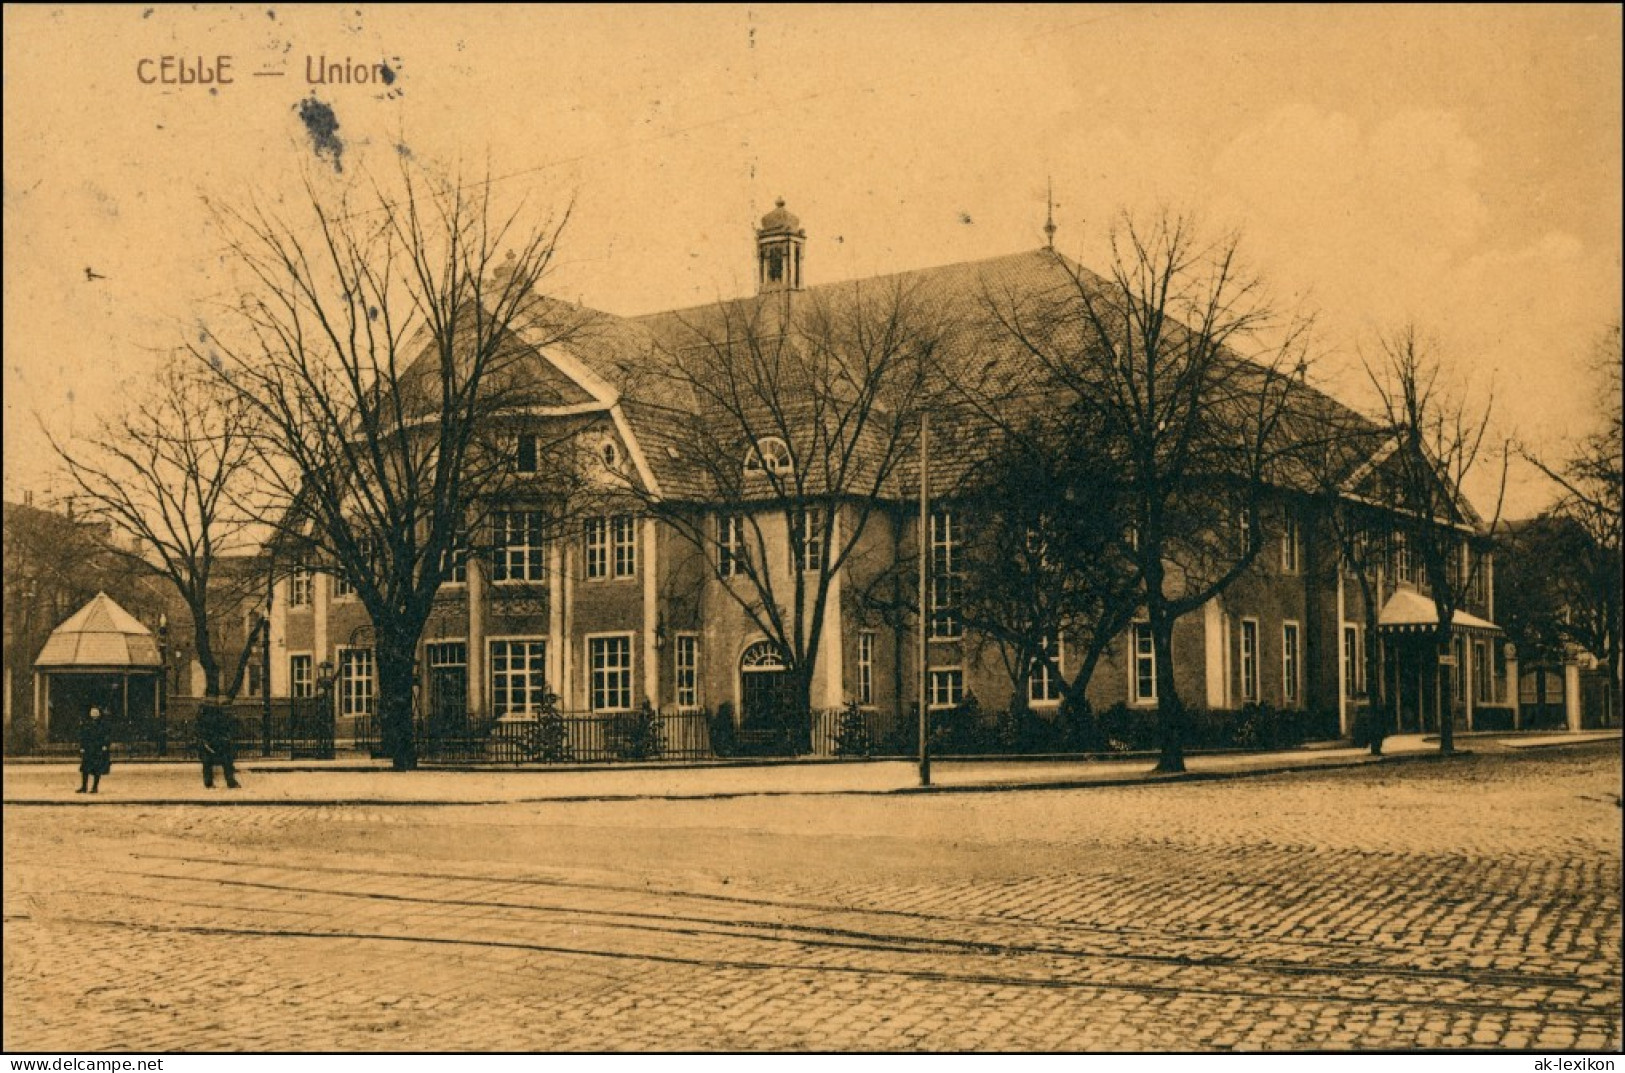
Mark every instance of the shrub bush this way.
pixel 548 739
pixel 852 736
pixel 635 735
pixel 720 723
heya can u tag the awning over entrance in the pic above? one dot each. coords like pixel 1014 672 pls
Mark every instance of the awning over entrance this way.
pixel 1408 611
pixel 103 636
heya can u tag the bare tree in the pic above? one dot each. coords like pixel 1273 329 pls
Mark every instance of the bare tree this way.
pixel 389 354
pixel 797 411
pixel 1046 555
pixel 1592 482
pixel 165 475
pixel 1146 361
pixel 1438 440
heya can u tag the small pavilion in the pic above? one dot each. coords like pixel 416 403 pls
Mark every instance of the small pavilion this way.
pixel 100 656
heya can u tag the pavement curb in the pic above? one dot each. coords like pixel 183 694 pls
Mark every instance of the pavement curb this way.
pixel 1142 779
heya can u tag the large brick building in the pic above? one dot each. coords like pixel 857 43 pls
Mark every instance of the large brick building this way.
pixel 624 610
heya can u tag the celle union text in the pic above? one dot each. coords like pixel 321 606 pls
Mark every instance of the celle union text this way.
pixel 220 71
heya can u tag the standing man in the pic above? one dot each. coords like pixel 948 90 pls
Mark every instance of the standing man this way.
pixel 216 742
pixel 95 751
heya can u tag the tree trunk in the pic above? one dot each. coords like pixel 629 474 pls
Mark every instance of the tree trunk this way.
pixel 1445 698
pixel 798 696
pixel 1170 709
pixel 204 651
pixel 396 658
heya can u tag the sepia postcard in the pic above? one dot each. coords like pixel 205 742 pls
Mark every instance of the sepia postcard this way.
pixel 986 529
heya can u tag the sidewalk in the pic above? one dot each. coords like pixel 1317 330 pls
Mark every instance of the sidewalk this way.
pixel 274 782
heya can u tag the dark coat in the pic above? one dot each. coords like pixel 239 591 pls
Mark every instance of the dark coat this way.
pixel 95 747
pixel 216 732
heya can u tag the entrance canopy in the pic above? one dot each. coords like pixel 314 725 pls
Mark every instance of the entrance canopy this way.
pixel 1408 611
pixel 100 636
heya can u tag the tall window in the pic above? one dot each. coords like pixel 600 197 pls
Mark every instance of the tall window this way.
pixel 1249 659
pixel 1353 663
pixel 256 679
pixel 597 545
pixel 866 666
pixel 609 661
pixel 623 533
pixel 519 552
pixel 945 551
pixel 947 687
pixel 1145 663
pixel 518 675
pixel 1402 559
pixel 299 587
pixel 1289 543
pixel 1291 660
pixel 688 670
pixel 1044 683
pixel 730 545
pixel 526 460
pixel 355 681
pixel 300 683
pixel 809 526
pixel 343 588
pixel 1476 582
pixel 454 565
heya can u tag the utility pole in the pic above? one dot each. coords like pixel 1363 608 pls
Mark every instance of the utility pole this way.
pixel 925 593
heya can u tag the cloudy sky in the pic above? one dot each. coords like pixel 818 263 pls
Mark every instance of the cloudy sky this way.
pixel 1459 167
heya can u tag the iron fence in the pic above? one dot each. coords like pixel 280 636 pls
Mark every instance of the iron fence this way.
pixel 561 738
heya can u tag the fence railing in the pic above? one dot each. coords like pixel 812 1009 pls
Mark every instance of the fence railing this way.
pixel 562 738
pixel 295 727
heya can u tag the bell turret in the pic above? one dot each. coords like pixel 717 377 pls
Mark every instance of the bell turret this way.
pixel 778 251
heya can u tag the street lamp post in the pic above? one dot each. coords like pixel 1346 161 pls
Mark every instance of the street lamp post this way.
pixel 924 616
pixel 163 684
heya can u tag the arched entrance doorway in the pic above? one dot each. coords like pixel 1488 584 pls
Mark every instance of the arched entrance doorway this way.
pixel 765 710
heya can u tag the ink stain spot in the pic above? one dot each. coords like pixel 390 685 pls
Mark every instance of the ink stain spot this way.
pixel 270 13
pixel 323 127
pixel 147 14
pixel 387 73
pixel 213 92
pixel 403 150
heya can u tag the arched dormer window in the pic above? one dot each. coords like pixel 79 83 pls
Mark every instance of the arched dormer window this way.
pixel 770 455
pixel 611 456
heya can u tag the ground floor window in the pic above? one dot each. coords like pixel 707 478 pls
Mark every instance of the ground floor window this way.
pixel 688 670
pixel 1145 664
pixel 1353 663
pixel 609 663
pixel 866 667
pixel 1291 659
pixel 1249 659
pixel 1044 683
pixel 947 687
pixel 356 689
pixel 518 676
pixel 300 682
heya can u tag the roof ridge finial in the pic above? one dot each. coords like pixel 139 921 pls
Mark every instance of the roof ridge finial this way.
pixel 1049 213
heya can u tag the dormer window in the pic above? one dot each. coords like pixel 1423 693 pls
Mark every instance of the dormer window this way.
pixel 770 455
pixel 611 456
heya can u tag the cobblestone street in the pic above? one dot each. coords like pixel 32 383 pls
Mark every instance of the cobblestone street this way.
pixel 1463 903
